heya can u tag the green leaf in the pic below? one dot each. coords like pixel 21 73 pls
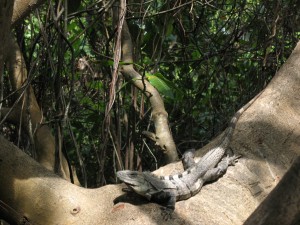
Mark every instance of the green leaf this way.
pixel 160 83
pixel 164 86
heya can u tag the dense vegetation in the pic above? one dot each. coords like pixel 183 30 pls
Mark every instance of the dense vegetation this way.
pixel 206 58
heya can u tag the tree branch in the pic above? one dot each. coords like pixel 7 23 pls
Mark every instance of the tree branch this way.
pixel 282 206
pixel 162 135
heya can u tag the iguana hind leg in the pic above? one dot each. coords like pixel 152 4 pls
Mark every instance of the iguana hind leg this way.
pixel 188 158
pixel 214 173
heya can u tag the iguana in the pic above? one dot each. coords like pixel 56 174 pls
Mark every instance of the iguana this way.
pixel 166 190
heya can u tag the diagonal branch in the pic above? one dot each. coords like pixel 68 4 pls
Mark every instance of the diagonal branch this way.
pixel 162 136
pixel 27 112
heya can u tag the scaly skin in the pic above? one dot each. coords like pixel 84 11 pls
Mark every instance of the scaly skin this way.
pixel 166 190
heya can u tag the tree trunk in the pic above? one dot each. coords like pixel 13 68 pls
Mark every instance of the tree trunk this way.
pixel 27 113
pixel 282 206
pixel 267 135
pixel 22 8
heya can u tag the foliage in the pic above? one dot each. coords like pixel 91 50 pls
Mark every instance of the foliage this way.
pixel 205 58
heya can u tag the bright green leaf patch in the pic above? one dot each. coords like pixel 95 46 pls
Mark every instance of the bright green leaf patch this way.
pixel 165 87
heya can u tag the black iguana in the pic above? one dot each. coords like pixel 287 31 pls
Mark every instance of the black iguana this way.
pixel 166 190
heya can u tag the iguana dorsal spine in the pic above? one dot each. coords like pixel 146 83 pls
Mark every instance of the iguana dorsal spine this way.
pixel 169 189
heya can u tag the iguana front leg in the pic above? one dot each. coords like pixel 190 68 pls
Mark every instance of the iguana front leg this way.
pixel 168 200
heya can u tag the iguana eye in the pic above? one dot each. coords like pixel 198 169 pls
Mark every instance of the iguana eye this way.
pixel 169 189
pixel 133 174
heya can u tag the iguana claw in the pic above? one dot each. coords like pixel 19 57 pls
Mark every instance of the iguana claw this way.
pixel 166 190
pixel 166 213
pixel 232 160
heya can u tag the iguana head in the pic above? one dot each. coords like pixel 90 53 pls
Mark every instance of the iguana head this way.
pixel 136 181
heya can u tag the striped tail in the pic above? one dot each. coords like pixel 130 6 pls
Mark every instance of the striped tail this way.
pixel 229 132
pixel 212 157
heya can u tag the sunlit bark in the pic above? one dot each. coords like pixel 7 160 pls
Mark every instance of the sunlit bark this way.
pixel 267 135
